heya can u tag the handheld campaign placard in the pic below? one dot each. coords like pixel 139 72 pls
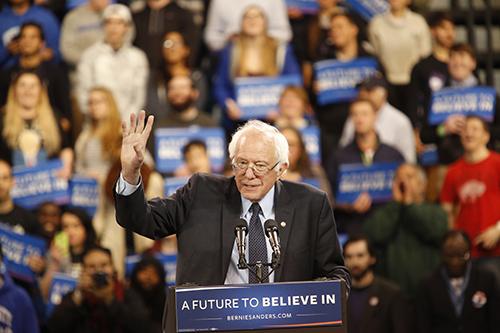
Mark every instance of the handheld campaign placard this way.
pixel 169 143
pixel 17 249
pixel 257 96
pixel 478 101
pixel 305 6
pixel 259 306
pixel 368 8
pixel 376 180
pixel 84 194
pixel 310 135
pixel 35 185
pixel 60 286
pixel 172 184
pixel 169 262
pixel 336 80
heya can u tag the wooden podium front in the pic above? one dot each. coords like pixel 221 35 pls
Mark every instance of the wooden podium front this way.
pixel 170 317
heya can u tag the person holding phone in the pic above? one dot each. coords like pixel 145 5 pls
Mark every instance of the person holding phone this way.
pixel 100 302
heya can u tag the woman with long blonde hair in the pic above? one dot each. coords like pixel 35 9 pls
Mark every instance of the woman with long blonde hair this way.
pixel 30 132
pixel 251 53
pixel 98 146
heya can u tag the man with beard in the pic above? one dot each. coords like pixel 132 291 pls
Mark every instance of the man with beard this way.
pixel 375 304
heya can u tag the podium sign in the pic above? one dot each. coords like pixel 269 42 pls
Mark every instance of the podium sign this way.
pixel 260 307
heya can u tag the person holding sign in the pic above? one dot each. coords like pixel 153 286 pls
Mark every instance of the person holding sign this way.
pixel 471 194
pixel 205 212
pixel 100 303
pixel 366 149
pixel 251 53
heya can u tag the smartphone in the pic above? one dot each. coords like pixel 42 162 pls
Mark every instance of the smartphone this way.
pixel 61 241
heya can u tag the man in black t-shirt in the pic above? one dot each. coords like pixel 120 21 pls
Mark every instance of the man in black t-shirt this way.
pixel 18 218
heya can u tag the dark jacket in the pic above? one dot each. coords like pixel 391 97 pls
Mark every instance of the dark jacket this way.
pixel 436 312
pixel 204 213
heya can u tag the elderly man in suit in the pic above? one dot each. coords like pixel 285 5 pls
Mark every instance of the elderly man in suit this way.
pixel 204 213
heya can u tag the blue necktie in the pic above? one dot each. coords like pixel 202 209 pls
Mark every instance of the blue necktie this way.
pixel 257 246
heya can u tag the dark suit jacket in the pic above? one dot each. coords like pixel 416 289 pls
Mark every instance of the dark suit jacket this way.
pixel 437 314
pixel 386 310
pixel 205 212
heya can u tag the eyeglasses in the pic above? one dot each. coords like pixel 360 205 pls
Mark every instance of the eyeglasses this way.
pixel 259 168
pixel 169 44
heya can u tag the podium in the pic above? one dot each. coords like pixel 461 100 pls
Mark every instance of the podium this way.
pixel 287 307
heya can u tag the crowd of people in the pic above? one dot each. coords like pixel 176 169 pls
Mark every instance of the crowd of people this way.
pixel 424 259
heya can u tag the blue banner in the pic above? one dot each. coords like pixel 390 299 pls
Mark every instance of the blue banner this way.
pixel 169 143
pixel 305 6
pixel 85 194
pixel 336 80
pixel 259 306
pixel 17 249
pixel 310 135
pixel 169 262
pixel 376 180
pixel 60 286
pixel 35 185
pixel 429 156
pixel 478 101
pixel 368 8
pixel 172 184
pixel 257 96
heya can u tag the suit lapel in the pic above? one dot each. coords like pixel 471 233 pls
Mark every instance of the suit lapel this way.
pixel 283 211
pixel 231 212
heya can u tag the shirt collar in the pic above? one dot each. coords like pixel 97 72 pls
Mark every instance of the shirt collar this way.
pixel 266 204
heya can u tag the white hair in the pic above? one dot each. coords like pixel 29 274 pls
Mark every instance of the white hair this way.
pixel 270 132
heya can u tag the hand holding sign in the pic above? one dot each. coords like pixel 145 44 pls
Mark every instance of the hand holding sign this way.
pixel 454 124
pixel 134 142
pixel 362 203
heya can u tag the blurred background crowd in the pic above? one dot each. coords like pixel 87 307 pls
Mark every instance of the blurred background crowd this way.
pixel 424 259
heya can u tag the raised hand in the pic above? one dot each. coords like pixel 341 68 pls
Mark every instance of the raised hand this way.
pixel 134 142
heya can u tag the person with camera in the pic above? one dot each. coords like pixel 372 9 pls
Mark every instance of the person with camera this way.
pixel 100 303
pixel 407 231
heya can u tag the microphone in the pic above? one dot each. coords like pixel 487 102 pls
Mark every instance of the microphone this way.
pixel 241 231
pixel 271 229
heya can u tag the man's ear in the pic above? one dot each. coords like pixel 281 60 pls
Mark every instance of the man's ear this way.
pixel 282 169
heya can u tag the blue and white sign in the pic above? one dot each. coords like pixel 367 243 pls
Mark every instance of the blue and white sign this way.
pixel 478 101
pixel 35 185
pixel 310 135
pixel 17 249
pixel 259 306
pixel 85 194
pixel 336 80
pixel 60 286
pixel 257 96
pixel 305 6
pixel 169 262
pixel 172 184
pixel 429 156
pixel 169 143
pixel 368 8
pixel 376 180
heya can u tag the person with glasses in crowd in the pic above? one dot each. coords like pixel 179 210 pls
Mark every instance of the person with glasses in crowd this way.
pixel 205 212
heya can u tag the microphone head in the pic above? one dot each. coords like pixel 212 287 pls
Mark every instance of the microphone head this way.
pixel 270 225
pixel 243 225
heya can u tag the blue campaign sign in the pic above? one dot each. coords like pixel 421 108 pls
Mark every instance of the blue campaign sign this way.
pixel 479 101
pixel 336 80
pixel 85 193
pixel 310 135
pixel 17 249
pixel 172 184
pixel 429 156
pixel 169 143
pixel 368 8
pixel 375 179
pixel 60 286
pixel 257 96
pixel 38 184
pixel 305 6
pixel 259 306
pixel 169 262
